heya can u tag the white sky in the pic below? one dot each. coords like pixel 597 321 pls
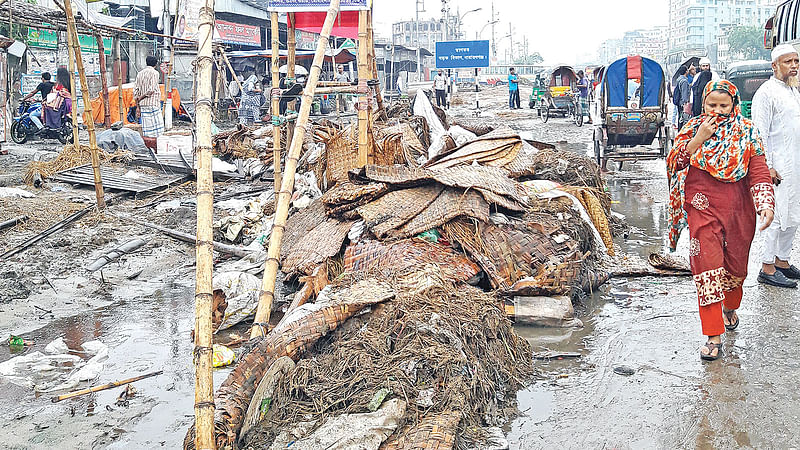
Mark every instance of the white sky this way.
pixel 560 30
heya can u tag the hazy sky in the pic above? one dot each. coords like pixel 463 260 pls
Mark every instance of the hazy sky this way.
pixel 560 30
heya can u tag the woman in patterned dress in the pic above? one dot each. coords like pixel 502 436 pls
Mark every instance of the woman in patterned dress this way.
pixel 719 181
pixel 250 106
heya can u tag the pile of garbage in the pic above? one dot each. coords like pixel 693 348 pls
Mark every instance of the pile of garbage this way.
pixel 411 270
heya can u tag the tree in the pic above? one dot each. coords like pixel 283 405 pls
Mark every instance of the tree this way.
pixel 534 58
pixel 747 42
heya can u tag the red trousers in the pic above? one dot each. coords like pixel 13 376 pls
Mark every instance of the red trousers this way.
pixel 711 315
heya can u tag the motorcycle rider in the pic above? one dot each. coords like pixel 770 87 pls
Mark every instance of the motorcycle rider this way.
pixel 44 88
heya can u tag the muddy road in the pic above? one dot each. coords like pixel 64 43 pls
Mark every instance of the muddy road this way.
pixel 638 383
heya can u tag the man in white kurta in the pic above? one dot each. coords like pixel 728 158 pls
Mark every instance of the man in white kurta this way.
pixel 776 115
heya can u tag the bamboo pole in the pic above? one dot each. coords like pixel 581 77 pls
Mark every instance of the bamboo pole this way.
pixel 103 387
pixel 87 105
pixel 228 63
pixel 101 58
pixel 72 88
pixel 363 102
pixel 118 62
pixel 275 96
pixel 375 76
pixel 204 382
pixel 291 45
pixel 284 195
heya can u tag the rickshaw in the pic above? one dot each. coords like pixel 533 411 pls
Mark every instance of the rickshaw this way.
pixel 748 76
pixel 633 111
pixel 535 99
pixel 561 96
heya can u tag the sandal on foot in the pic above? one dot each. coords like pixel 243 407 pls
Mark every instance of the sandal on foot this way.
pixel 729 315
pixel 711 347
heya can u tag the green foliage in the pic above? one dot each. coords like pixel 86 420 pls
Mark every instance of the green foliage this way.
pixel 534 58
pixel 747 42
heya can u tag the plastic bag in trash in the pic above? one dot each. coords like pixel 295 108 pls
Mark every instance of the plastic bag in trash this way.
pixel 222 356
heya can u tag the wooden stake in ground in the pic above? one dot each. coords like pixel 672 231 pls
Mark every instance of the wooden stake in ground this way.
pixel 71 66
pixel 101 59
pixel 118 63
pixel 363 100
pixel 287 185
pixel 87 105
pixel 291 47
pixel 203 351
pixel 275 95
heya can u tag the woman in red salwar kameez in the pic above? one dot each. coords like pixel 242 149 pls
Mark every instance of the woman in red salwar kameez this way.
pixel 719 181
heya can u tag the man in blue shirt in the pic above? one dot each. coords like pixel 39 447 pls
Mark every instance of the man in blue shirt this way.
pixel 513 89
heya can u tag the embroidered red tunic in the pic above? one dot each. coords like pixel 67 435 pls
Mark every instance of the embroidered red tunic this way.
pixel 722 222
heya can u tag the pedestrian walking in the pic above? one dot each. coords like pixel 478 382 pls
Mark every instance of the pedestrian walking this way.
pixel 681 96
pixel 342 77
pixel 719 181
pixel 440 86
pixel 698 87
pixel 147 94
pixel 250 103
pixel 513 89
pixel 776 114
pixel 583 93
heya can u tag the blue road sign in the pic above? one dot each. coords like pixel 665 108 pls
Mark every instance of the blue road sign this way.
pixel 462 54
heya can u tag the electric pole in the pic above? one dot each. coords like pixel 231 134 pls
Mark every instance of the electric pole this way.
pixel 511 46
pixel 494 38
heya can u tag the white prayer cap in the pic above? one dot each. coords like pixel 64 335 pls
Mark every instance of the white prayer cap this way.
pixel 704 60
pixel 783 49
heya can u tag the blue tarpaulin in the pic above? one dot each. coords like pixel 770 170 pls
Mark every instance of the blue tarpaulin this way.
pixel 616 81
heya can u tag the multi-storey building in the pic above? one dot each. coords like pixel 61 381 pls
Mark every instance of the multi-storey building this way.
pixel 697 24
pixel 650 43
pixel 426 32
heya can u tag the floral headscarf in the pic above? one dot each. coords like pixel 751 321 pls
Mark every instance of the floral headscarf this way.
pixel 725 155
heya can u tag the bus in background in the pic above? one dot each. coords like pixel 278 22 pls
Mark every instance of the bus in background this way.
pixel 784 26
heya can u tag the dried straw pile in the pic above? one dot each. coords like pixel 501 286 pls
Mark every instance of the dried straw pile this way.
pixel 450 343
pixel 69 158
pixel 567 168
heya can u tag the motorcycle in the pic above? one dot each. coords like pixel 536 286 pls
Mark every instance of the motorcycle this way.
pixel 23 127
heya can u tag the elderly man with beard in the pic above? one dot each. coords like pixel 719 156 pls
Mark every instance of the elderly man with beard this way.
pixel 776 114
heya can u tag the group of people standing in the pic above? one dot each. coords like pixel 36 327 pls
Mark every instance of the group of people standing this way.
pixel 726 174
pixel 688 93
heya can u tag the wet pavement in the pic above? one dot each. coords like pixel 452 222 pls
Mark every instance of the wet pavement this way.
pixel 651 325
pixel 647 326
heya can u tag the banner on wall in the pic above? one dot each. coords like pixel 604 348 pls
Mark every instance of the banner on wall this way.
pixel 234 33
pixel 316 5
pixel 188 21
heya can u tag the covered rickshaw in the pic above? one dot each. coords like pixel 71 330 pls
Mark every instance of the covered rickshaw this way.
pixel 561 96
pixel 633 111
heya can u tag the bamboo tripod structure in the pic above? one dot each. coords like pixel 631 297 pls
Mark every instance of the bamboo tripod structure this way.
pixel 267 294
pixel 275 96
pixel 203 351
pixel 87 105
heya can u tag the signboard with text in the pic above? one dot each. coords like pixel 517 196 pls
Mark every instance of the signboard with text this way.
pixel 234 33
pixel 42 38
pixel 462 54
pixel 188 20
pixel 316 5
